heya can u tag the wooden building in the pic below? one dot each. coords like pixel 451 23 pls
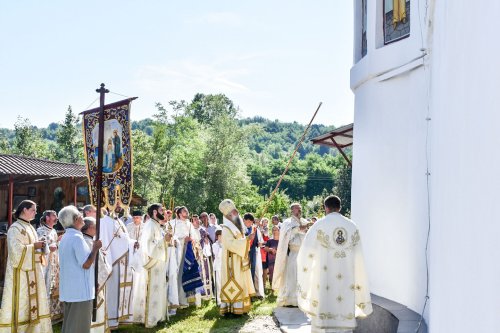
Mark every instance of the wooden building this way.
pixel 51 184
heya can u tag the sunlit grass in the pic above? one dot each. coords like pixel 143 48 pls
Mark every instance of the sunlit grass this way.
pixel 204 319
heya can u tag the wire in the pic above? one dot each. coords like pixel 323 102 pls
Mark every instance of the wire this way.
pixel 88 107
pixel 114 93
pixel 427 162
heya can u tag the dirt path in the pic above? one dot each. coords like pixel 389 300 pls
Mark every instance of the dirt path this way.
pixel 260 324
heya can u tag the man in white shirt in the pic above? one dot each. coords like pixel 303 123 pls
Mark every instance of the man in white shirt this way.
pixel 76 260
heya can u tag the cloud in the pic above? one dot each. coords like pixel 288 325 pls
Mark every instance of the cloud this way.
pixel 184 79
pixel 219 18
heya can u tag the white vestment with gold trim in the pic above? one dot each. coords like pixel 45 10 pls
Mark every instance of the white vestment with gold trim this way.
pixel 285 266
pixel 51 271
pixel 154 247
pixel 25 306
pixel 332 282
pixel 119 249
pixel 100 325
pixel 180 230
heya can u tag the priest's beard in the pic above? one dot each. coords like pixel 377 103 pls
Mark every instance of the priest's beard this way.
pixel 119 212
pixel 160 217
pixel 238 223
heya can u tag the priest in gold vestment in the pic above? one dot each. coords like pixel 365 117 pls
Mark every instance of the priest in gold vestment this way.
pixel 331 278
pixel 25 306
pixel 236 278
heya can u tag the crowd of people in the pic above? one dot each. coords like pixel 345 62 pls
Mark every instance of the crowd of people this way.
pixel 150 264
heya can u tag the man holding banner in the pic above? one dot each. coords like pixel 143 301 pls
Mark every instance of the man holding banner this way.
pixel 112 188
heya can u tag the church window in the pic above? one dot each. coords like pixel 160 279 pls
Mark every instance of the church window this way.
pixel 396 20
pixel 364 16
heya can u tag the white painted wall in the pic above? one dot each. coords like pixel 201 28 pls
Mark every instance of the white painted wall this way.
pixel 465 256
pixel 462 77
pixel 389 192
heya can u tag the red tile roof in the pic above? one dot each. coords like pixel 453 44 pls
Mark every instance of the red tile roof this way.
pixel 28 166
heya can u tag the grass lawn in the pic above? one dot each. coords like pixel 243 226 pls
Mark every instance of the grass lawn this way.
pixel 204 319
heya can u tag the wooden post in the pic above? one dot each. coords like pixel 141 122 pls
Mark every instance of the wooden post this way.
pixel 342 152
pixel 11 198
pixel 100 147
pixel 74 192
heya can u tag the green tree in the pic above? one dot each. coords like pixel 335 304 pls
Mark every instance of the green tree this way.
pixel 143 160
pixel 178 149
pixel 208 108
pixel 225 161
pixel 343 184
pixel 27 141
pixel 279 205
pixel 70 143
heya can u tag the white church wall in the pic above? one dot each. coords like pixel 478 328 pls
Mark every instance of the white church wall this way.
pixel 465 145
pixel 389 183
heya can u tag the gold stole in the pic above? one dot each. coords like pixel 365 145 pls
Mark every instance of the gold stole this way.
pixel 31 278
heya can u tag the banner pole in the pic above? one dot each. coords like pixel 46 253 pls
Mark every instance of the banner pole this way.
pixel 100 147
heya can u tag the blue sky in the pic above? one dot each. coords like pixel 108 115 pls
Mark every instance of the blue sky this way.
pixel 276 59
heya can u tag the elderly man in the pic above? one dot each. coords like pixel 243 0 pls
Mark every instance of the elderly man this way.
pixel 209 226
pixel 135 228
pixel 292 234
pixel 77 288
pixel 236 278
pixel 89 211
pixel 332 283
pixel 47 233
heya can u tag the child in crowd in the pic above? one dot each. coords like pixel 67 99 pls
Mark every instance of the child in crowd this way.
pixel 271 248
pixel 217 250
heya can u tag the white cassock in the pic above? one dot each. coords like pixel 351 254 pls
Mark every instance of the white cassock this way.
pixel 51 271
pixel 100 325
pixel 139 273
pixel 180 230
pixel 217 250
pixel 332 282
pixel 119 249
pixel 155 252
pixel 285 266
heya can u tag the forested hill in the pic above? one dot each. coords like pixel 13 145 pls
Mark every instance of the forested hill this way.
pixel 201 151
pixel 271 137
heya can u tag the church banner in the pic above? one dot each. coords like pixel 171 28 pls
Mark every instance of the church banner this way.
pixel 117 182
